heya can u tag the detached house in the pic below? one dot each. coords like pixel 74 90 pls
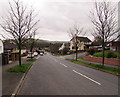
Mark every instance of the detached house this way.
pixel 115 45
pixel 82 43
pixel 1 46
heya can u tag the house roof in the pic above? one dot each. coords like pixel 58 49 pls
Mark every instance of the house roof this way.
pixel 9 46
pixel 83 39
pixel 116 43
pixel 96 44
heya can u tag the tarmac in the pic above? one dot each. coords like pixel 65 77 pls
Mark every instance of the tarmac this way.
pixel 11 80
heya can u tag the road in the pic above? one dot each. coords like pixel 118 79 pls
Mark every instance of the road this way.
pixel 51 75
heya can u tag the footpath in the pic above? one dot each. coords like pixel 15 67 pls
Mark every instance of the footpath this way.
pixel 10 80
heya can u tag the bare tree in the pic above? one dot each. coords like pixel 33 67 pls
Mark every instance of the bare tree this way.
pixel 74 33
pixel 105 22
pixel 32 40
pixel 19 23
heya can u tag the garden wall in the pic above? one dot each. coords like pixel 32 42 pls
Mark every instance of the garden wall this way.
pixel 111 61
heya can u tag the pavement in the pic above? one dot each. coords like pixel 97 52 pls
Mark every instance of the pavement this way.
pixel 52 75
pixel 11 80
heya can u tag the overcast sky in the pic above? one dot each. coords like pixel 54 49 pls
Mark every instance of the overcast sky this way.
pixel 57 16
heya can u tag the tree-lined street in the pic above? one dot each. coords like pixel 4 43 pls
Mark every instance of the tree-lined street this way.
pixel 51 75
pixel 59 48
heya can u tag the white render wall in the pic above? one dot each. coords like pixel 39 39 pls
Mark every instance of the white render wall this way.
pixel 1 51
pixel 1 46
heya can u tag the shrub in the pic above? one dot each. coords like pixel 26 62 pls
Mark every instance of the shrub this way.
pixel 65 50
pixel 108 54
pixel 92 51
pixel 99 54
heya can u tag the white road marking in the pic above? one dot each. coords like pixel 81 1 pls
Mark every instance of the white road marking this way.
pixel 87 77
pixel 63 65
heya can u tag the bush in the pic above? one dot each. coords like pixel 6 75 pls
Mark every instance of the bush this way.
pixel 65 50
pixel 92 51
pixel 108 54
pixel 99 54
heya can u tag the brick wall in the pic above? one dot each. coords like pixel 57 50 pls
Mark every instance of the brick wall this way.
pixel 111 61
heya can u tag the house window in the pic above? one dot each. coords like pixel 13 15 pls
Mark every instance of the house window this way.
pixel 73 47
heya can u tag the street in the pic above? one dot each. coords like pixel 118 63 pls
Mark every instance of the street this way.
pixel 53 75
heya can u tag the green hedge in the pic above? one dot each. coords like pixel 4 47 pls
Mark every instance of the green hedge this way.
pixel 108 54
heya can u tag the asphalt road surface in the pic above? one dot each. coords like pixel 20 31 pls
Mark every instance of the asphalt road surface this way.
pixel 51 75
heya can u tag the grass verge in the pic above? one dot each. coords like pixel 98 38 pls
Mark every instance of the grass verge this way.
pixel 98 66
pixel 31 59
pixel 23 68
pixel 80 58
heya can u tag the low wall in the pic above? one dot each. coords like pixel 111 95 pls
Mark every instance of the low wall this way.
pixel 111 61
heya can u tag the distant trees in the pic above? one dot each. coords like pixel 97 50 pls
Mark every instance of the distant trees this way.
pixel 19 23
pixel 74 32
pixel 64 49
pixel 54 47
pixel 105 22
pixel 32 40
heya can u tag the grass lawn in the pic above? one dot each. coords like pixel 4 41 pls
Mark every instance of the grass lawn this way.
pixel 31 59
pixel 98 66
pixel 23 68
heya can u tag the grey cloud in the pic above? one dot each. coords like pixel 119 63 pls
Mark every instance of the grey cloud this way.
pixel 57 17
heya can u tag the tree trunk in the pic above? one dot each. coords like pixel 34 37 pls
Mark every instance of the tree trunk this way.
pixel 103 50
pixel 20 53
pixel 76 48
pixel 31 48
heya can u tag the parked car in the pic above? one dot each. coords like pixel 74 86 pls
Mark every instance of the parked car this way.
pixel 30 54
pixel 41 54
pixel 35 54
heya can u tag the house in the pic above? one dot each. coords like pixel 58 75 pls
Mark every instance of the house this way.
pixel 64 48
pixel 95 45
pixel 115 45
pixel 64 45
pixel 82 43
pixel 9 45
pixel 1 51
pixel 1 46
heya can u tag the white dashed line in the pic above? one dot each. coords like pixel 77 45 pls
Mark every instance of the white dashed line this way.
pixel 63 65
pixel 87 77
